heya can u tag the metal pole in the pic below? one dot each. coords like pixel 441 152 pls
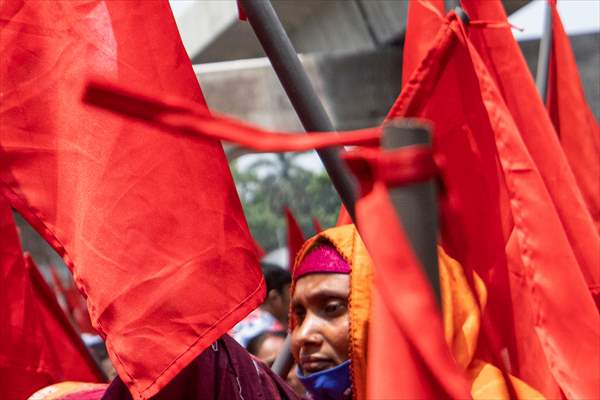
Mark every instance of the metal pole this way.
pixel 295 82
pixel 416 204
pixel 541 77
pixel 284 361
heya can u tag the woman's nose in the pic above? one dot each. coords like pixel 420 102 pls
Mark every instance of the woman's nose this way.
pixel 310 330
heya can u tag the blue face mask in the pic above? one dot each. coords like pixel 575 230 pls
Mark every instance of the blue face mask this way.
pixel 329 384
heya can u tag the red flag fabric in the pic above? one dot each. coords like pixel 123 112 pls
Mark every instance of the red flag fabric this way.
pixel 407 354
pixel 499 219
pixel 503 58
pixel 260 252
pixel 181 116
pixel 80 312
pixel 573 119
pixel 423 22
pixel 295 236
pixel 74 303
pixel 146 221
pixel 317 225
pixel 38 346
pixel 343 217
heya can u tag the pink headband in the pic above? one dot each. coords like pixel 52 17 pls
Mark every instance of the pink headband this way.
pixel 322 259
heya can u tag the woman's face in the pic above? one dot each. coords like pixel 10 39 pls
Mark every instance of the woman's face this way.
pixel 320 312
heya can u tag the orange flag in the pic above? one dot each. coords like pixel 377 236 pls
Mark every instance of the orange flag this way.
pixel 499 219
pixel 38 345
pixel 573 119
pixel 295 236
pixel 144 220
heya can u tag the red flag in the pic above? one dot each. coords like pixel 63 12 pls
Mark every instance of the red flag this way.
pixel 317 225
pixel 408 356
pixel 79 311
pixel 343 217
pixel 575 123
pixel 38 345
pixel 295 237
pixel 500 52
pixel 423 22
pixel 258 249
pixel 145 221
pixel 74 303
pixel 499 219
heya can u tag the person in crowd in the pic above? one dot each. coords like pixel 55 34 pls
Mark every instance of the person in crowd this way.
pixel 272 315
pixel 266 346
pixel 328 320
pixel 277 299
pixel 329 313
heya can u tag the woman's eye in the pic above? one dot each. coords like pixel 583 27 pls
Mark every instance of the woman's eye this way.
pixel 335 307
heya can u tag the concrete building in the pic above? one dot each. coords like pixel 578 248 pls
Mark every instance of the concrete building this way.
pixel 351 49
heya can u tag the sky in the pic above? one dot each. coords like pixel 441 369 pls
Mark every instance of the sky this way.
pixel 578 16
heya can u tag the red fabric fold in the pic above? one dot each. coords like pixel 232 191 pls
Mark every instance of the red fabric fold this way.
pixel 180 116
pixel 408 356
pixel 499 219
pixel 316 225
pixel 145 220
pixel 38 346
pixel 423 22
pixel 575 124
pixel 503 58
pixel 395 167
pixel 295 237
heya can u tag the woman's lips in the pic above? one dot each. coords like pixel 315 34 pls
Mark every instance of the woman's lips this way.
pixel 315 364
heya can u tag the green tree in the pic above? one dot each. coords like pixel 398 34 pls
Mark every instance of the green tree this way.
pixel 270 184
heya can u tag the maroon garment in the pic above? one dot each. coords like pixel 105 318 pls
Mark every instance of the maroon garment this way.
pixel 223 371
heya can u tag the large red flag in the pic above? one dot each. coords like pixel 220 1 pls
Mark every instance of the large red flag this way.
pixel 38 346
pixel 146 221
pixel 503 58
pixel 423 22
pixel 295 236
pixel 499 219
pixel 573 119
pixel 407 355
